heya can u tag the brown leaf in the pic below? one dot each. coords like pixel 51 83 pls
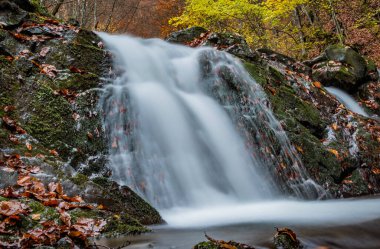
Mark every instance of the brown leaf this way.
pixel 44 51
pixel 24 181
pixel 76 70
pixel 76 116
pixel 28 146
pixel 65 218
pixel 51 203
pixel 53 152
pixel 376 171
pixel 13 139
pixel 9 108
pixel 49 70
pixel 36 216
pixel 90 136
pixel 11 208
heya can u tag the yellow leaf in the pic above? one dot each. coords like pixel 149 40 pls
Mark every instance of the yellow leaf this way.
pixel 36 216
pixel 335 152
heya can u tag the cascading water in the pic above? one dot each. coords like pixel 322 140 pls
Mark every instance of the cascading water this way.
pixel 347 100
pixel 177 137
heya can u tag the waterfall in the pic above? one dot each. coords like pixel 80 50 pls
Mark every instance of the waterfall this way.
pixel 180 140
pixel 347 100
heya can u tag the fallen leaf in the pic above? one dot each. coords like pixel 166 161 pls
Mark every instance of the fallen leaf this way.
pixel 28 146
pixel 65 218
pixel 44 51
pixel 76 70
pixel 53 152
pixel 376 171
pixel 76 116
pixel 49 70
pixel 9 108
pixel 36 216
pixel 335 152
pixel 11 208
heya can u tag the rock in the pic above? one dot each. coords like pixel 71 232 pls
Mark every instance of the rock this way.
pixel 341 67
pixel 73 22
pixel 65 243
pixel 11 14
pixel 7 178
pixel 349 57
pixel 336 74
pixel 231 43
pixel 285 60
pixel 186 35
pixel 286 239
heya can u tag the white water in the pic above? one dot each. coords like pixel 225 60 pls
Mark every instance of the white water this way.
pixel 347 100
pixel 332 212
pixel 177 146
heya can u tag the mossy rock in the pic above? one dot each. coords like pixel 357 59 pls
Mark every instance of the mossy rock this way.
pixel 186 35
pixel 205 245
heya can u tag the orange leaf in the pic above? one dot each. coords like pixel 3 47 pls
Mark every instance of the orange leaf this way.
pixel 53 152
pixel 376 171
pixel 335 152
pixel 28 146
pixel 317 84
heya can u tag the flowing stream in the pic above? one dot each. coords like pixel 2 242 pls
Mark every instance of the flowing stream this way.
pixel 347 100
pixel 203 154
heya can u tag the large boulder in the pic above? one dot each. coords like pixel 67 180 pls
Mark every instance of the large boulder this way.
pixel 186 35
pixel 342 67
pixel 229 42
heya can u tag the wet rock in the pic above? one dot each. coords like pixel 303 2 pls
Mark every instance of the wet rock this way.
pixel 289 62
pixel 65 243
pixel 286 239
pixel 186 35
pixel 231 43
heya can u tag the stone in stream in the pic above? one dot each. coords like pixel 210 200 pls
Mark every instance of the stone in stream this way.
pixel 285 238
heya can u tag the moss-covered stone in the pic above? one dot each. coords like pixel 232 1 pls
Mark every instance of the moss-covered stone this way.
pixel 123 225
pixel 206 245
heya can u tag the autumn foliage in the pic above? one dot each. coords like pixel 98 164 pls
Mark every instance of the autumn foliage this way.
pixel 15 210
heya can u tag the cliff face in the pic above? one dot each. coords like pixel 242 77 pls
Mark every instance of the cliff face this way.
pixel 339 148
pixel 51 74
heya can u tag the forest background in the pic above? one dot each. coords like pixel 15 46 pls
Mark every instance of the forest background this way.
pixel 297 28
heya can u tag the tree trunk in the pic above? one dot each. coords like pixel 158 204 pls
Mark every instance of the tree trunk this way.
pixel 297 20
pixel 57 7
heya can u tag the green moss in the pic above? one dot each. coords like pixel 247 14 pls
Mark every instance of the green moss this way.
pixel 51 120
pixel 101 181
pixel 257 72
pixel 206 245
pixel 39 8
pixel 123 225
pixel 371 65
pixel 85 213
pixel 3 198
pixel 79 179
pixel 77 82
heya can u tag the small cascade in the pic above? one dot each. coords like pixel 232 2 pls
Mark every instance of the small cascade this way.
pixel 347 100
pixel 191 128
